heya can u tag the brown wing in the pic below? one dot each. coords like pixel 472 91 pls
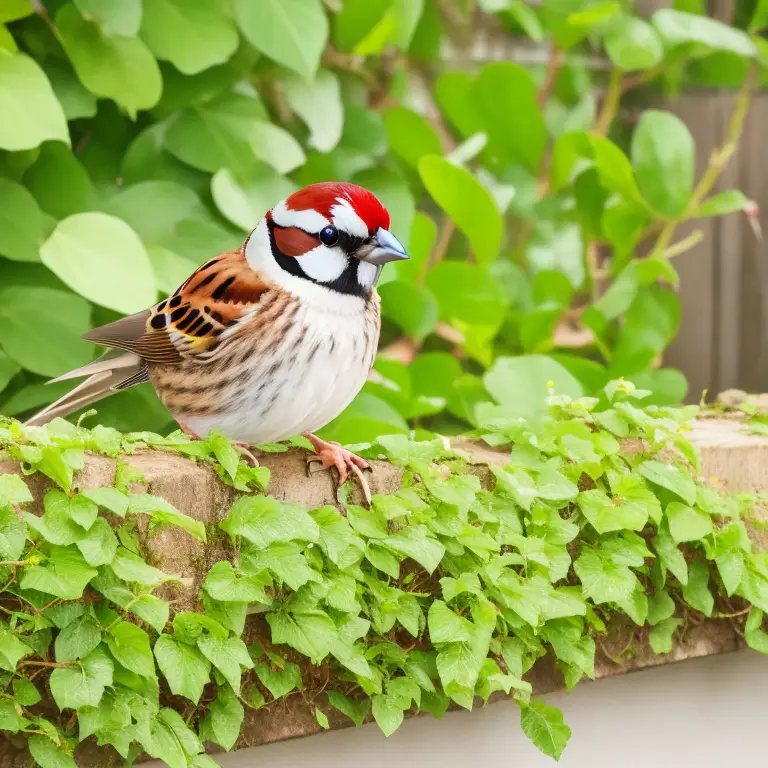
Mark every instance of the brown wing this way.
pixel 191 321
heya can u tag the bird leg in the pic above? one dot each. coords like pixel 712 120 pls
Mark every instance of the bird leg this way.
pixel 244 449
pixel 331 454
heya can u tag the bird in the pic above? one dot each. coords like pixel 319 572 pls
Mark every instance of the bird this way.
pixel 266 342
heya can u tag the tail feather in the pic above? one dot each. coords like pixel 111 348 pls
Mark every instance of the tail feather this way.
pixel 110 373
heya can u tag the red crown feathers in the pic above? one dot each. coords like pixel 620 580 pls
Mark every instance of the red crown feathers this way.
pixel 323 196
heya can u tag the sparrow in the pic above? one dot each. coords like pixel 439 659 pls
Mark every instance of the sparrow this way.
pixel 266 342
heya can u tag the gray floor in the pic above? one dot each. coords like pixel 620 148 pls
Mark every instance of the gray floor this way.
pixel 708 712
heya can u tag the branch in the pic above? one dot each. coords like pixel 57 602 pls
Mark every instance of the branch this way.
pixel 611 104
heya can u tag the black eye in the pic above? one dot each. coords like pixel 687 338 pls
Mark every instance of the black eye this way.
pixel 329 236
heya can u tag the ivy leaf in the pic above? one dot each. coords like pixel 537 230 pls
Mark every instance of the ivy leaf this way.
pixel 410 135
pixel 414 542
pixel 130 567
pixel 696 591
pixel 224 719
pixel 202 36
pixel 687 523
pixel 115 17
pixel 82 685
pixel 754 634
pixel 286 561
pixel 183 666
pixel 319 105
pixel 25 692
pixel 680 28
pixel 544 726
pixel 33 114
pixel 48 755
pixel 660 607
pixel 606 515
pixel 467 202
pixel 322 719
pixel 670 556
pixel 355 710
pixel 633 44
pixel 164 513
pixel 291 32
pixel 604 581
pixel 227 655
pixel 263 520
pixel 23 227
pixel 118 68
pixel 129 645
pixel 279 681
pixel 310 633
pixel 11 650
pixel 77 639
pixel 99 545
pixel 225 584
pixel 387 713
pixel 109 498
pixel 447 627
pixel 13 533
pixel 336 536
pixel 730 566
pixel 65 575
pixel 151 609
pixel 671 477
pixel 226 453
pixel 660 637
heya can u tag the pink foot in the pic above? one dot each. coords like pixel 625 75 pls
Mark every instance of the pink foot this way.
pixel 331 454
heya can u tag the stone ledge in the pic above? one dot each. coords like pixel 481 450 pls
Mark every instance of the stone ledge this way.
pixel 738 460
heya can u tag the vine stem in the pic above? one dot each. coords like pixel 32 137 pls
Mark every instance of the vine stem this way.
pixel 718 160
pixel 46 664
pixel 611 104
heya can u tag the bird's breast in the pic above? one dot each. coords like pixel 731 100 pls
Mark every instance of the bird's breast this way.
pixel 277 376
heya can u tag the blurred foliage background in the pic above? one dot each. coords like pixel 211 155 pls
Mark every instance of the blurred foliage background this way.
pixel 138 139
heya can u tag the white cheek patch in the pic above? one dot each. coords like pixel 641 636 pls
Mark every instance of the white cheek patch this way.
pixel 367 274
pixel 310 221
pixel 323 264
pixel 345 219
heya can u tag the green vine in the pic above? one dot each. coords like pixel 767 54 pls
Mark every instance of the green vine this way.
pixel 442 592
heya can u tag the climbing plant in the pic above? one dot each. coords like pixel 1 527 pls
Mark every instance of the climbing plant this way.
pixel 593 536
pixel 138 140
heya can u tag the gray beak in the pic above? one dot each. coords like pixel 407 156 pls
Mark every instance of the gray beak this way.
pixel 384 248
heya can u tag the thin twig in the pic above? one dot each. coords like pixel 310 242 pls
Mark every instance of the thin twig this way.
pixel 610 104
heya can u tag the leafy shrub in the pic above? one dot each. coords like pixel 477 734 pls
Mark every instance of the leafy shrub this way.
pixel 440 593
pixel 137 142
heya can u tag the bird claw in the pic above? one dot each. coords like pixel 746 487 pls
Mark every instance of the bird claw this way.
pixel 245 451
pixel 333 455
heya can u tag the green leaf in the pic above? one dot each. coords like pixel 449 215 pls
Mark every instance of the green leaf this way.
pixel 336 535
pixel 466 292
pixel 663 157
pixel 129 645
pixel 48 755
pixel 227 655
pixel 224 719
pixel 118 68
pixel 606 514
pixel 544 726
pixel 279 680
pixel 696 591
pixel 40 329
pixel 291 32
pixel 10 10
pixel 82 685
pixel 467 202
pixel 387 713
pixel 410 135
pixel 152 610
pixel 75 253
pixel 13 533
pixel 99 545
pixel 164 513
pixel 65 575
pixel 22 227
pixel 225 584
pixel 115 17
pixel 183 666
pixel 633 44
pixel 505 96
pixel 680 28
pixel 31 113
pixel 355 710
pixel 310 633
pixel 11 650
pixel 203 35
pixel 687 523
pixel 263 520
pixel 754 634
pixel 77 639
pixel 660 637
pixel 411 307
pixel 722 203
pixel 603 580
pixel 319 105
pixel 109 498
pixel 520 384
pixel 660 607
pixel 226 453
pixel 128 566
pixel 447 627
pixel 414 542
pixel 25 692
pixel 672 477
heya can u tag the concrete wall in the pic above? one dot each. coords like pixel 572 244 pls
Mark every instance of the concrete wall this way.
pixel 705 713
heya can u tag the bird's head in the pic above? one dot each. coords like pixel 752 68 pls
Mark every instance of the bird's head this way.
pixel 332 234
